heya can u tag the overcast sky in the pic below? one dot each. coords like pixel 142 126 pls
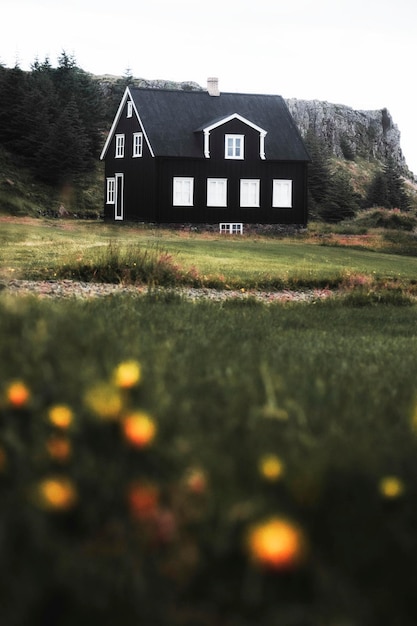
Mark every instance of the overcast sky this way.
pixel 361 53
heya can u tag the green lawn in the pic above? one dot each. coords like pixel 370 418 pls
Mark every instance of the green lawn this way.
pixel 41 248
pixel 329 389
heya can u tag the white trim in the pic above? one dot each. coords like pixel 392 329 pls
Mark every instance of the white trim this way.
pixel 125 97
pixel 245 199
pixel 110 190
pixel 116 197
pixel 137 147
pixel 234 116
pixel 282 193
pixel 119 150
pixel 238 150
pixel 129 111
pixel 183 191
pixel 231 228
pixel 217 192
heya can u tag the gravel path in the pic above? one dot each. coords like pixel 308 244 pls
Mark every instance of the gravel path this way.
pixel 73 289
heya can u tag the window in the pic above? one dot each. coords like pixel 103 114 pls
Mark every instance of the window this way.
pixel 282 193
pixel 249 192
pixel 183 191
pixel 217 192
pixel 110 190
pixel 231 228
pixel 120 146
pixel 129 108
pixel 233 146
pixel 137 144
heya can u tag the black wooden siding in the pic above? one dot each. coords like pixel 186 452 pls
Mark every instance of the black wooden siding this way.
pixel 148 181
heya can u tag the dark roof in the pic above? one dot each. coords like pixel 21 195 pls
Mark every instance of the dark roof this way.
pixel 171 118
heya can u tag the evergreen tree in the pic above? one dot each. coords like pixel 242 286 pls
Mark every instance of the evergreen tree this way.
pixel 319 172
pixel 341 202
pixel 388 189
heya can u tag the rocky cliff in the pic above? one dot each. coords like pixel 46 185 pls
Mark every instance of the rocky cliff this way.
pixel 350 133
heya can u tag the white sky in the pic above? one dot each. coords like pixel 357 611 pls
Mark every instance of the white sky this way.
pixel 361 53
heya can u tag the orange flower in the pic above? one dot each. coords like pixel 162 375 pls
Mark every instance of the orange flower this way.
pixel 143 500
pixel 61 416
pixel 59 448
pixel 139 429
pixel 276 544
pixel 57 494
pixel 18 394
pixel 127 374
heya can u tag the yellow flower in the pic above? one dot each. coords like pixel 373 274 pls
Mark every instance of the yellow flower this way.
pixel 127 374
pixel 139 429
pixel 60 416
pixel 391 487
pixel 276 544
pixel 104 400
pixel 17 394
pixel 57 494
pixel 271 467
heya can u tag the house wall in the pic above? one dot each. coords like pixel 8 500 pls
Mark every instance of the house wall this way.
pixel 202 169
pixel 139 175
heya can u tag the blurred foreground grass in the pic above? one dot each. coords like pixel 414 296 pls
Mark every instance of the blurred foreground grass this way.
pixel 192 464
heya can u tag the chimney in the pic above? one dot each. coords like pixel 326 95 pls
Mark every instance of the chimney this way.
pixel 213 86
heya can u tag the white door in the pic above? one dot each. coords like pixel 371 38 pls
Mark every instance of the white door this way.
pixel 119 197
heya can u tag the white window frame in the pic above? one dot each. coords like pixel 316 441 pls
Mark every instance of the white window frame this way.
pixel 129 111
pixel 282 193
pixel 120 147
pixel 183 191
pixel 217 192
pixel 250 189
pixel 231 228
pixel 234 147
pixel 111 190
pixel 137 145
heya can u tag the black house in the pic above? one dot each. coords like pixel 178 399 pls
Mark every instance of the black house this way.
pixel 205 157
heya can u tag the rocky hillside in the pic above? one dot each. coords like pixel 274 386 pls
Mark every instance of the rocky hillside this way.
pixel 350 133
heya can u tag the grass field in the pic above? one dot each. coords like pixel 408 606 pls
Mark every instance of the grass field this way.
pixel 303 414
pixel 43 249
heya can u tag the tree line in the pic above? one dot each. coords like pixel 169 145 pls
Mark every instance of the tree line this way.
pixel 56 120
pixel 53 117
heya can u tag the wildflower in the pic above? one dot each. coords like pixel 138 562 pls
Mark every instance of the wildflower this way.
pixel 196 480
pixel 60 416
pixel 104 400
pixel 271 467
pixel 139 429
pixel 127 374
pixel 56 494
pixel 59 448
pixel 276 544
pixel 143 500
pixel 391 487
pixel 18 394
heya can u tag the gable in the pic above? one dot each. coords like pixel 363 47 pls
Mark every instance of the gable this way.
pixel 128 107
pixel 235 116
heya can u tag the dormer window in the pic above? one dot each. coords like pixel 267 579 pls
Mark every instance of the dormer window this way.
pixel 234 146
pixel 129 109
